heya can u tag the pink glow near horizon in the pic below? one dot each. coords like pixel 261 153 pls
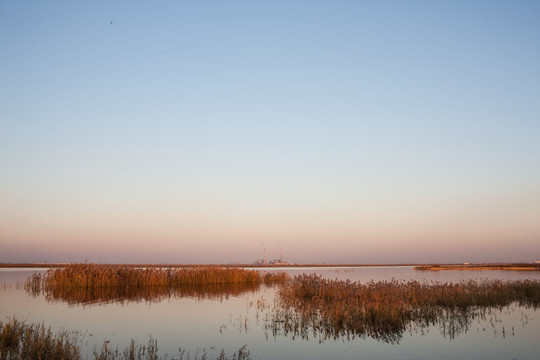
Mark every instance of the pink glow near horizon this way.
pixel 467 233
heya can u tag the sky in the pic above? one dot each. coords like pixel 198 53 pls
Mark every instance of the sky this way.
pixel 200 131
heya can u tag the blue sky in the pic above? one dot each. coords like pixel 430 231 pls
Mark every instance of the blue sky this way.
pixel 348 131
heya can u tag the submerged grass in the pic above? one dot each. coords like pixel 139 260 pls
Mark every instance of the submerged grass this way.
pixel 21 341
pixel 384 310
pixel 88 283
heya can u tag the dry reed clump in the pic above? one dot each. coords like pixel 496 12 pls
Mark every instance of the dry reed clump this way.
pixel 384 310
pixel 21 341
pixel 96 283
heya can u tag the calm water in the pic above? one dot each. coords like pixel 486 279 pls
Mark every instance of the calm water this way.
pixel 214 320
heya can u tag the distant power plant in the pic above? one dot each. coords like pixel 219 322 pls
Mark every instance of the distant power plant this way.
pixel 275 262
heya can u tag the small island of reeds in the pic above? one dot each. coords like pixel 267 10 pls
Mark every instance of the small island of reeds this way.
pixel 88 283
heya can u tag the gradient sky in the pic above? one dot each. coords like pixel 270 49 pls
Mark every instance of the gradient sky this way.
pixel 197 131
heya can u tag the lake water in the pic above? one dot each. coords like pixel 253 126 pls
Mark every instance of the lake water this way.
pixel 211 320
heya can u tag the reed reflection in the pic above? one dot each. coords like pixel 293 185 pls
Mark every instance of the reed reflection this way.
pixel 310 306
pixel 106 295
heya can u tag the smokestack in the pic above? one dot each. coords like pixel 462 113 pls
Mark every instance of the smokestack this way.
pixel 264 261
pixel 280 253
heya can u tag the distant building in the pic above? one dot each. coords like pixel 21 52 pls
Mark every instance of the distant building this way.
pixel 276 262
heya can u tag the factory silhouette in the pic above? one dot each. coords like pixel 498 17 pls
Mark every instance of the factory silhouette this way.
pixel 275 262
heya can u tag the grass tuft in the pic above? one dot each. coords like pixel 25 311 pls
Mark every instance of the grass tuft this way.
pixel 21 341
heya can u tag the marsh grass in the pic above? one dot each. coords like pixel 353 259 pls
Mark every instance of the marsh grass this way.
pixel 91 283
pixel 21 341
pixel 311 305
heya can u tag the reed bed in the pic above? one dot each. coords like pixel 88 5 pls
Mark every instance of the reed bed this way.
pixel 92 275
pixel 86 283
pixel 310 304
pixel 21 341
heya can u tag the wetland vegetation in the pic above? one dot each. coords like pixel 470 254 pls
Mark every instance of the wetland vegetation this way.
pixel 93 276
pixel 90 283
pixel 19 340
pixel 310 305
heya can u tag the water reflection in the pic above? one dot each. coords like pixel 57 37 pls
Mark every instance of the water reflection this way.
pixel 104 295
pixel 314 325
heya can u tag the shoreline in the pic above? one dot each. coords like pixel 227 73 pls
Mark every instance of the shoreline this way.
pixel 508 267
pixel 257 266
pixel 416 266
